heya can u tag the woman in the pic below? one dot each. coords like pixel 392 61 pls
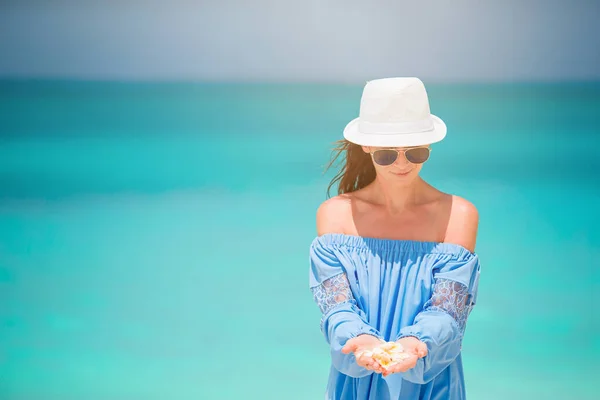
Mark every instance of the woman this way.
pixel 394 259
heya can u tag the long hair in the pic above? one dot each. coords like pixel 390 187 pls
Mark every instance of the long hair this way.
pixel 357 170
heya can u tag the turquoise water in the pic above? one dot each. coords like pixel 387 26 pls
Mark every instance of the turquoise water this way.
pixel 154 237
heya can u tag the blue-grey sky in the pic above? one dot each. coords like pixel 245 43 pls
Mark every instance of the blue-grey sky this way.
pixel 309 40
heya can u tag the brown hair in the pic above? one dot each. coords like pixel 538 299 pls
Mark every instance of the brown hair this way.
pixel 356 173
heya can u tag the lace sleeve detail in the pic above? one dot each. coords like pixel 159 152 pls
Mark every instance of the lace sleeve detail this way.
pixel 452 298
pixel 332 292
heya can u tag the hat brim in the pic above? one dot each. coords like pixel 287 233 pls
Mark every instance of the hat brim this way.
pixel 354 135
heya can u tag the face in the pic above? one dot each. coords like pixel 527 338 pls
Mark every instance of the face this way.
pixel 398 162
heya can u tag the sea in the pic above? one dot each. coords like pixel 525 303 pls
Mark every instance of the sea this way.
pixel 154 236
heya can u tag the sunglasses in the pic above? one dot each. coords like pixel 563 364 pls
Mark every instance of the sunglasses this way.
pixel 414 155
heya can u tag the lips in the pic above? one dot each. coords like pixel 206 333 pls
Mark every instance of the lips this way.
pixel 402 173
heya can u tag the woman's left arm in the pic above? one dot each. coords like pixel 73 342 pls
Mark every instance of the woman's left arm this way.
pixel 441 324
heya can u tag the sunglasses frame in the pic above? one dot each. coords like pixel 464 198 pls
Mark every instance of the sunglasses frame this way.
pixel 398 151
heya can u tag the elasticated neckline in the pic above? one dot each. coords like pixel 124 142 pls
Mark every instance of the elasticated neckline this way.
pixel 383 244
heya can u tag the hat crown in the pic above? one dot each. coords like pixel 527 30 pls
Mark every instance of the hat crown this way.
pixel 394 100
pixel 394 112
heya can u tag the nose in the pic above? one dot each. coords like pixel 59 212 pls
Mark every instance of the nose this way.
pixel 401 160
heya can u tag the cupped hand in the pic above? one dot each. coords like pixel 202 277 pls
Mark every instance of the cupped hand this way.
pixel 414 348
pixel 413 345
pixel 361 344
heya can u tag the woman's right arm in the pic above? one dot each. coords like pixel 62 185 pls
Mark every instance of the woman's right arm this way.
pixel 342 319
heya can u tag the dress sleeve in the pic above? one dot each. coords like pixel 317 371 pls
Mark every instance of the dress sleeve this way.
pixel 341 319
pixel 441 324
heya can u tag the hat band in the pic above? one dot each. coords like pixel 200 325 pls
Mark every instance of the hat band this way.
pixel 424 125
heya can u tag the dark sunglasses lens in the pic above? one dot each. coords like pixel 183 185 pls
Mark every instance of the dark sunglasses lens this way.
pixel 385 157
pixel 417 155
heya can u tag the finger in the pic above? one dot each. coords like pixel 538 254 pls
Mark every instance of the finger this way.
pixel 363 361
pixel 392 369
pixel 349 347
pixel 376 367
pixel 422 350
pixel 370 363
pixel 404 365
pixel 397 368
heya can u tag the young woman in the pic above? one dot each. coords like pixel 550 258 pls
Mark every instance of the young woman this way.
pixel 394 258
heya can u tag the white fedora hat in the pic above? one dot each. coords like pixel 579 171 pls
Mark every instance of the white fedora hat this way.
pixel 394 112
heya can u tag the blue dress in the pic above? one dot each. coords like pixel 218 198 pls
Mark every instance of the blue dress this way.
pixel 393 289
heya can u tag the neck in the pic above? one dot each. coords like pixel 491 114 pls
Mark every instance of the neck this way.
pixel 398 197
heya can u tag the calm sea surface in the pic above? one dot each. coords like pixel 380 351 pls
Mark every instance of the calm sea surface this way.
pixel 154 237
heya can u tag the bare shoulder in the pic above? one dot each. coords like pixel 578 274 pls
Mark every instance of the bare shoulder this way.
pixel 333 215
pixel 463 223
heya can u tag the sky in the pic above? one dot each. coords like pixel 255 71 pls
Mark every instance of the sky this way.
pixel 309 40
